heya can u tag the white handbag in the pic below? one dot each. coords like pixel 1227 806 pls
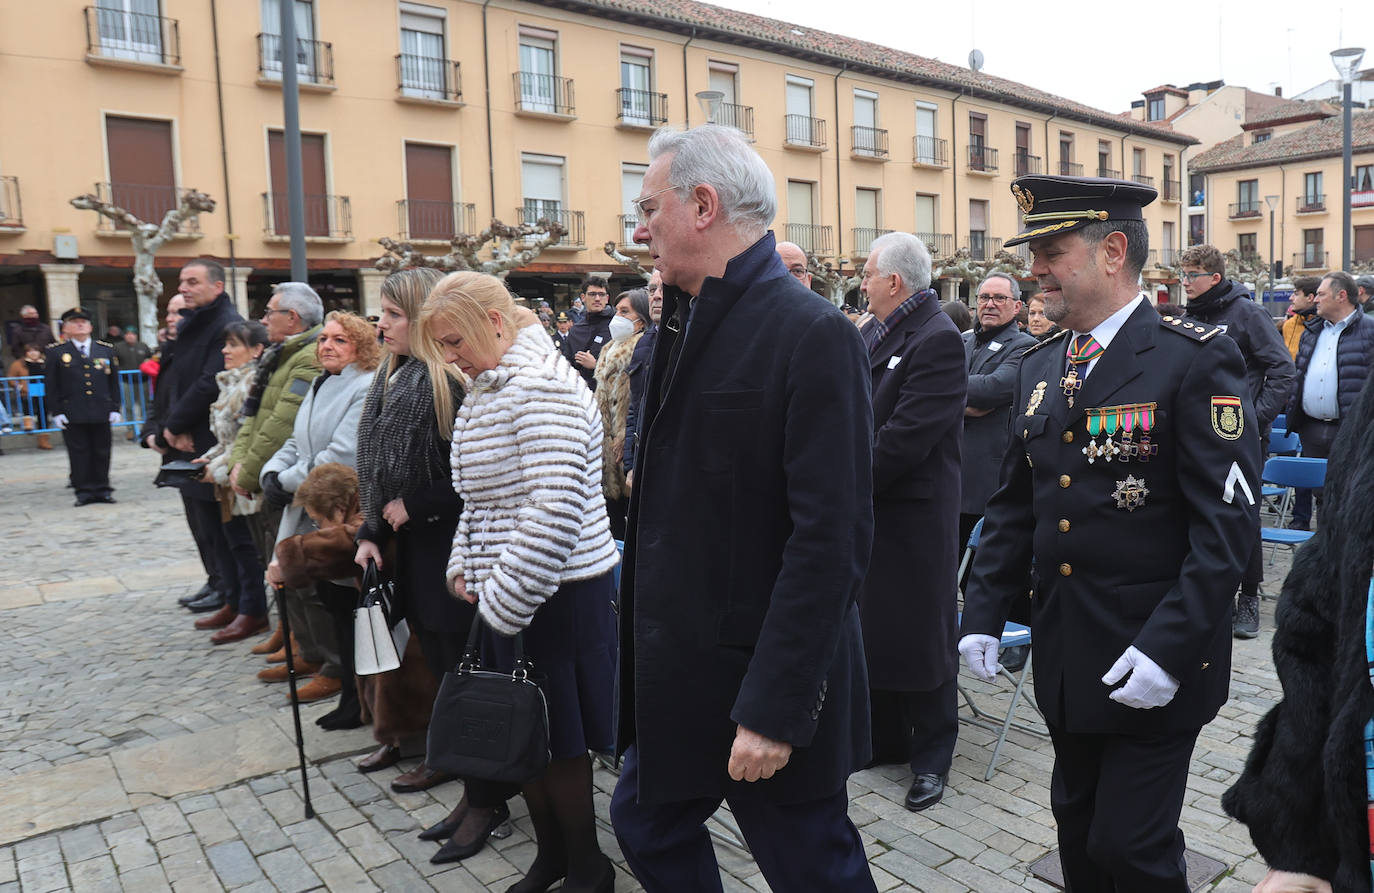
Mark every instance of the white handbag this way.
pixel 379 634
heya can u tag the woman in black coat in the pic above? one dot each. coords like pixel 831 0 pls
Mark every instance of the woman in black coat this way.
pixel 408 502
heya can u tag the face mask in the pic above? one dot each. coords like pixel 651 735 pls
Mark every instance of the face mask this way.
pixel 621 328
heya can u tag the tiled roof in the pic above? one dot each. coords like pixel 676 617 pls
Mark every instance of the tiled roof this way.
pixel 1295 110
pixel 823 47
pixel 1167 88
pixel 1319 140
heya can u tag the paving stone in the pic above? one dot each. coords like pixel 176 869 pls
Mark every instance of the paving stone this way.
pixel 288 871
pixel 149 879
pixel 233 863
pixel 368 846
pixel 341 874
pixel 97 875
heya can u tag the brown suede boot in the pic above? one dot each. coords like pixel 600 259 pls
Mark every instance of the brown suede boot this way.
pixel 44 442
pixel 271 644
pixel 279 656
pixel 318 688
pixel 278 673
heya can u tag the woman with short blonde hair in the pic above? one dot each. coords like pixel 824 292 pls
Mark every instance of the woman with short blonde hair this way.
pixel 533 548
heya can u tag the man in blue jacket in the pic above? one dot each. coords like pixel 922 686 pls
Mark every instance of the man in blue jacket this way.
pixel 751 520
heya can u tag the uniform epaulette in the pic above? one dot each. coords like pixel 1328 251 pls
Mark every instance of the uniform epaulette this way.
pixel 106 343
pixel 1195 330
pixel 55 344
pixel 1050 340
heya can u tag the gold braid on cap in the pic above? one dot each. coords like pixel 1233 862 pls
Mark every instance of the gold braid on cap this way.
pixel 1065 215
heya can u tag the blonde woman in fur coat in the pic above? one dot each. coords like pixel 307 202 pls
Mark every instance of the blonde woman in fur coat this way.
pixel 613 399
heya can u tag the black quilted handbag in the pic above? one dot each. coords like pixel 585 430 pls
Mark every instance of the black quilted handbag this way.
pixel 487 724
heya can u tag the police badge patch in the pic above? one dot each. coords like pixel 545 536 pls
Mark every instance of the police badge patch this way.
pixel 1228 420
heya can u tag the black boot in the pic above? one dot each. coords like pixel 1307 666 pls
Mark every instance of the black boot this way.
pixel 1246 624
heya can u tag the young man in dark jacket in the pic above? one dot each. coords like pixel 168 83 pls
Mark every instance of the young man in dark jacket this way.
pixel 1269 371
pixel 582 345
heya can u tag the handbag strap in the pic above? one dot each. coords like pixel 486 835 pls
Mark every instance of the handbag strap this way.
pixel 371 576
pixel 472 652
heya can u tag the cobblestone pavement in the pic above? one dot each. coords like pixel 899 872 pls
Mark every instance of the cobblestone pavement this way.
pixel 136 757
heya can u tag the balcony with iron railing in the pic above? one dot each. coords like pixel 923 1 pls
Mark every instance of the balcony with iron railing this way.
pixel 815 239
pixel 929 151
pixel 149 203
pixel 1143 179
pixel 628 224
pixel 740 117
pixel 1362 198
pixel 868 143
pixel 1070 169
pixel 861 239
pixel 136 39
pixel 543 95
pixel 981 246
pixel 940 244
pixel 641 108
pixel 805 133
pixel 428 79
pixel 431 220
pixel 1168 257
pixel 1173 190
pixel 11 209
pixel 1312 204
pixel 1025 163
pixel 328 218
pixel 1312 259
pixel 573 223
pixel 1244 210
pixel 314 62
pixel 1109 173
pixel 982 159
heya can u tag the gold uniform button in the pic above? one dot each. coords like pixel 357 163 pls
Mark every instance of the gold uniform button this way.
pixel 1064 481
pixel 1067 437
pixel 1063 525
pixel 1065 570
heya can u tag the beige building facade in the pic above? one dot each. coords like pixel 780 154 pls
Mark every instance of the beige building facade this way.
pixel 422 120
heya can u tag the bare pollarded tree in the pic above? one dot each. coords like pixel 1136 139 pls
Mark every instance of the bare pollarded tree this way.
pixel 962 265
pixel 146 238
pixel 626 260
pixel 512 247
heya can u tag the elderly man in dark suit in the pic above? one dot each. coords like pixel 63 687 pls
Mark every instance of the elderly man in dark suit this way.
pixel 908 598
pixel 742 669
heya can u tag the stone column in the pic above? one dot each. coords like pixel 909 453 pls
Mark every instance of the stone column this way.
pixel 370 290
pixel 60 282
pixel 949 290
pixel 236 283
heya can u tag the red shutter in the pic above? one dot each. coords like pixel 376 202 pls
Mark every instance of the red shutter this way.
pixel 312 175
pixel 429 191
pixel 142 176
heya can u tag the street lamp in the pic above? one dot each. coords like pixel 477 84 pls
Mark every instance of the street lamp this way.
pixel 710 104
pixel 1274 268
pixel 1347 62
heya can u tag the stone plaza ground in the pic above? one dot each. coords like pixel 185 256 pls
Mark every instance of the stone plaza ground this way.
pixel 135 756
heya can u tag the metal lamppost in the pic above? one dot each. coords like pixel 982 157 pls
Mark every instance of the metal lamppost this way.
pixel 1275 269
pixel 1347 62
pixel 710 104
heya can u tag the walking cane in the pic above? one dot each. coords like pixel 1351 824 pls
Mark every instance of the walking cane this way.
pixel 295 704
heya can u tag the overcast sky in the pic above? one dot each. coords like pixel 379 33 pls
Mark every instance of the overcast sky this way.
pixel 1105 54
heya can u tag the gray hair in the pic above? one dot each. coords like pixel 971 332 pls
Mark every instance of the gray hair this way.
pixel 905 255
pixel 1010 280
pixel 721 157
pixel 302 299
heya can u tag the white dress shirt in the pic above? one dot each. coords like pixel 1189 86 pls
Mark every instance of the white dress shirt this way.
pixel 1319 385
pixel 1104 332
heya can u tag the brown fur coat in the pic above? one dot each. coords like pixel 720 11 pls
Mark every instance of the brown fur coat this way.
pixel 613 400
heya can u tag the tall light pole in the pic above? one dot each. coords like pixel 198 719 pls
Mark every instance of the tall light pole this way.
pixel 1347 62
pixel 1274 268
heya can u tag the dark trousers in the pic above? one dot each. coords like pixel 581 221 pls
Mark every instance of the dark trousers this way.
pixel 1117 799
pixel 1317 438
pixel 798 846
pixel 339 602
pixel 917 726
pixel 88 455
pixel 203 516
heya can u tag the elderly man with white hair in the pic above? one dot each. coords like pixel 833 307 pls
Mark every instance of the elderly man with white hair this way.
pixel 742 669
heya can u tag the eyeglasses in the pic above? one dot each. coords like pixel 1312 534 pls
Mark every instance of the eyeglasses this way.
pixel 1198 274
pixel 798 271
pixel 994 299
pixel 644 212
pixel 270 310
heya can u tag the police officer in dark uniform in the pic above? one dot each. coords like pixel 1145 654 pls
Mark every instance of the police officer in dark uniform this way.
pixel 562 325
pixel 1130 486
pixel 82 380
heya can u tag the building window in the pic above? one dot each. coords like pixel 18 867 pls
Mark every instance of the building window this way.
pixel 1247 244
pixel 977 142
pixel 541 187
pixel 867 218
pixel 1261 136
pixel 927 217
pixel 314 179
pixel 928 147
pixel 801 217
pixel 1312 254
pixel 1197 185
pixel 1066 164
pixel 1363 193
pixel 978 246
pixel 1023 150
pixel 1247 197
pixel 1138 162
pixel 1156 109
pixel 539 86
pixel 1312 198
pixel 430 209
pixel 423 71
pixel 1197 230
pixel 636 86
pixel 866 123
pixel 724 76
pixel 271 49
pixel 631 188
pixel 801 124
pixel 142 169
pixel 1104 159
pixel 1168 250
pixel 130 29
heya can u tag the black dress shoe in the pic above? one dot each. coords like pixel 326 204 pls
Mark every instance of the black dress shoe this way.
pixel 198 594
pixel 107 498
pixel 444 830
pixel 457 852
pixel 925 792
pixel 80 501
pixel 212 602
pixel 1014 658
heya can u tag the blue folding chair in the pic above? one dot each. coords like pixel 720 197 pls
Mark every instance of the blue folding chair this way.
pixel 1280 423
pixel 1281 443
pixel 1289 472
pixel 1013 635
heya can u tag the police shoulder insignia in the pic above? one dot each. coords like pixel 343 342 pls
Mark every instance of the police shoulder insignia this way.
pixel 1057 336
pixel 1228 419
pixel 1182 326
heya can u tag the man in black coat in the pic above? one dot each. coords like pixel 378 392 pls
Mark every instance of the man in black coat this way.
pixel 908 602
pixel 1131 483
pixel 178 424
pixel 81 376
pixel 741 662
pixel 583 343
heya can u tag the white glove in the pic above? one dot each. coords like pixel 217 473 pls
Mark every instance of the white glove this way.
pixel 980 653
pixel 116 418
pixel 61 420
pixel 1149 686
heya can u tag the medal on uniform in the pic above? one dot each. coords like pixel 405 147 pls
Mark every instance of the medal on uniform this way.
pixel 1130 494
pixel 1037 396
pixel 1084 350
pixel 1104 421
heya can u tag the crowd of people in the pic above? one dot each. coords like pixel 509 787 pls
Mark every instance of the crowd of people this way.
pixel 792 485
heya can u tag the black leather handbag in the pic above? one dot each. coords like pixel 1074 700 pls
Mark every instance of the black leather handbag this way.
pixel 487 724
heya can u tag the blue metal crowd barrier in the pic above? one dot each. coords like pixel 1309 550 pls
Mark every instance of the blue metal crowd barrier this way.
pixel 24 410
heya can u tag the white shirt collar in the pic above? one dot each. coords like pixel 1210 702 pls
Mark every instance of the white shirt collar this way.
pixel 83 345
pixel 1340 324
pixel 1107 329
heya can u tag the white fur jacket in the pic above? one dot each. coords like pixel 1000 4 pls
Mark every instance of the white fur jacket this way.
pixel 225 421
pixel 526 460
